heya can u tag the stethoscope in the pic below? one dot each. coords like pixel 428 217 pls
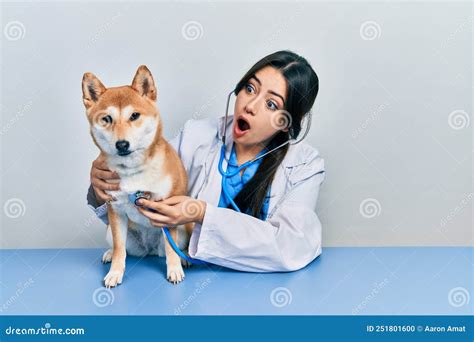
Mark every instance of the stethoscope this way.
pixel 225 175
pixel 229 174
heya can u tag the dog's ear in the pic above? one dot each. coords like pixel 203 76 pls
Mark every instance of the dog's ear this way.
pixel 144 84
pixel 92 89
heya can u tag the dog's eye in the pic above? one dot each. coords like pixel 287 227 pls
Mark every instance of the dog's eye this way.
pixel 107 119
pixel 134 116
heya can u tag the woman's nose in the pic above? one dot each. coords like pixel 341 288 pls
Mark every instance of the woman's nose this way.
pixel 251 106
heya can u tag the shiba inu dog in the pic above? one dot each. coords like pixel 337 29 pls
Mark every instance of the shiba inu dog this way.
pixel 126 126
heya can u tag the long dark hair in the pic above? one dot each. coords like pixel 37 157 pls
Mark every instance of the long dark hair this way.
pixel 302 88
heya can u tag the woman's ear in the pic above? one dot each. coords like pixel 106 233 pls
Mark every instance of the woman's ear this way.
pixel 144 84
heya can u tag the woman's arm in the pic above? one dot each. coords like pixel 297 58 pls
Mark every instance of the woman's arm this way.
pixel 287 241
pixel 100 209
pixel 96 196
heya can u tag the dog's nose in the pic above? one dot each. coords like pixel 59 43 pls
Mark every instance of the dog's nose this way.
pixel 122 145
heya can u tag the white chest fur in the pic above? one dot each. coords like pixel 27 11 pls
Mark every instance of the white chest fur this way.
pixel 136 175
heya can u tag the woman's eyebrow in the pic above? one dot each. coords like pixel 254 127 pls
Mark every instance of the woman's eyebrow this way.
pixel 281 97
pixel 256 79
pixel 270 91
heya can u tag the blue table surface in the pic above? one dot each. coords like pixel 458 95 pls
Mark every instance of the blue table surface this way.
pixel 342 281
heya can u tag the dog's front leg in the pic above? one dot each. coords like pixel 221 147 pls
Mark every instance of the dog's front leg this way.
pixel 174 270
pixel 118 225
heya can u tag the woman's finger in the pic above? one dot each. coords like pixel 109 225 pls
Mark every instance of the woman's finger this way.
pixel 102 195
pixel 173 200
pixel 101 164
pixel 158 218
pixel 159 224
pixel 106 174
pixel 158 206
pixel 104 185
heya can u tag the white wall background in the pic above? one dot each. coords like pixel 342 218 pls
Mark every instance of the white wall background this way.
pixel 392 119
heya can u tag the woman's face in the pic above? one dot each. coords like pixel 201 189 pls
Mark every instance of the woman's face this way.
pixel 259 108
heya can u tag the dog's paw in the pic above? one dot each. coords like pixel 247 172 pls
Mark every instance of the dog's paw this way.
pixel 107 257
pixel 175 274
pixel 113 278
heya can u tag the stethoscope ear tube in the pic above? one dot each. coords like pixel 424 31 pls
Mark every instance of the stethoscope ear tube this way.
pixel 226 115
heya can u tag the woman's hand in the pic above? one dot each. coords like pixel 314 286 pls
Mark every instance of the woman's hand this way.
pixel 100 173
pixel 173 211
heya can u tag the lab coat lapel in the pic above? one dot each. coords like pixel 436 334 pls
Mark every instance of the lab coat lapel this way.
pixel 212 190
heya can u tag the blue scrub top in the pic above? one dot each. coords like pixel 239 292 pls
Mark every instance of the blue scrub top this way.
pixel 237 182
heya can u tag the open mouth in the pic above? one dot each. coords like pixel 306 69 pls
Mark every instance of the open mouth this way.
pixel 124 153
pixel 243 125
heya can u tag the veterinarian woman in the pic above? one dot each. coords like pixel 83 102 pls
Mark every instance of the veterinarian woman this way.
pixel 277 228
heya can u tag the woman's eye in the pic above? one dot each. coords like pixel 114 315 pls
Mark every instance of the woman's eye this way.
pixel 107 119
pixel 272 105
pixel 134 116
pixel 249 88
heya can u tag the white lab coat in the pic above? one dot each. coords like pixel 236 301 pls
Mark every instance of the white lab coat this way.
pixel 288 240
